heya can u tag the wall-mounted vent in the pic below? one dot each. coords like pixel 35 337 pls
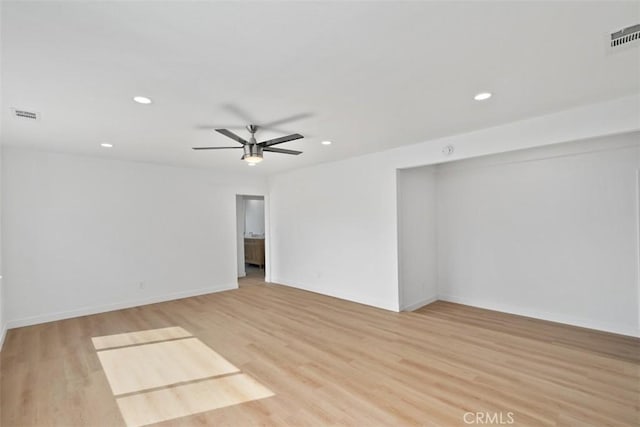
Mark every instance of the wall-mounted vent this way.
pixel 24 114
pixel 626 35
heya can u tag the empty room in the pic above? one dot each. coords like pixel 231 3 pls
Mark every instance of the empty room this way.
pixel 315 213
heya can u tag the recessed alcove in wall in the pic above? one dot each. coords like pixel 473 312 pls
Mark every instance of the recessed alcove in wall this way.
pixel 549 232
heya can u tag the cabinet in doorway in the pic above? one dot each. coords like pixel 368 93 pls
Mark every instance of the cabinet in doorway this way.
pixel 254 251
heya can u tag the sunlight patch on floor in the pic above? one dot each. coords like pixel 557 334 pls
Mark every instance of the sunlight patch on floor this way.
pixel 178 376
pixel 139 337
pixel 179 401
pixel 142 367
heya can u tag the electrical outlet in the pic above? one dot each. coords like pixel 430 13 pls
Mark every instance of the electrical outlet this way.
pixel 141 285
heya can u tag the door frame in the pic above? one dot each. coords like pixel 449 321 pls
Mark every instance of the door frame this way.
pixel 267 234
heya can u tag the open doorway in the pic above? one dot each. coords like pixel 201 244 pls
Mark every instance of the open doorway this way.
pixel 251 238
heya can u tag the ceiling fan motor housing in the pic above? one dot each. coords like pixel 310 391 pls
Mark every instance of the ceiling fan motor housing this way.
pixel 252 150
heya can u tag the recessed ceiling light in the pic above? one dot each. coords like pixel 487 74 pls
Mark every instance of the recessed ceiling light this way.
pixel 326 142
pixel 142 100
pixel 106 145
pixel 482 96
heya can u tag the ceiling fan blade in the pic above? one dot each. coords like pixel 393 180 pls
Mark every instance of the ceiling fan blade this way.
pixel 280 140
pixel 239 112
pixel 282 151
pixel 232 135
pixel 214 148
pixel 219 126
pixel 282 121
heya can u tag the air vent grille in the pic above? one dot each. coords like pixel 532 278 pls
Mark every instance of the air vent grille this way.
pixel 625 36
pixel 24 114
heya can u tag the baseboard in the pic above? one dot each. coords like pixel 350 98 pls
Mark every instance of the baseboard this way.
pixel 340 295
pixel 85 311
pixel 419 304
pixel 551 317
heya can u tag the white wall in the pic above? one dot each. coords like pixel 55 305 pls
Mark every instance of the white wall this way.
pixel 254 216
pixel 334 225
pixel 333 231
pixel 549 233
pixel 417 238
pixel 3 325
pixel 81 234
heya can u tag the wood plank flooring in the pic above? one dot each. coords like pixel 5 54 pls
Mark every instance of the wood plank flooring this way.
pixel 332 362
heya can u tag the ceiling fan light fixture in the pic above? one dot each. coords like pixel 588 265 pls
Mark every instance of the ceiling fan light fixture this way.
pixel 252 158
pixel 252 153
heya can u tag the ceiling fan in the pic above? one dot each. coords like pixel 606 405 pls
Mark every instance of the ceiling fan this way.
pixel 253 149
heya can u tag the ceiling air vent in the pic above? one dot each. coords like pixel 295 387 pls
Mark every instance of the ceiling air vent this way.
pixel 626 35
pixel 24 114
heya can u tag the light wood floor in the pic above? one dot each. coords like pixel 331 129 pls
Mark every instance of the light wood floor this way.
pixel 334 362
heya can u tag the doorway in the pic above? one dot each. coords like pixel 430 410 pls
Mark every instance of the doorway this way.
pixel 251 238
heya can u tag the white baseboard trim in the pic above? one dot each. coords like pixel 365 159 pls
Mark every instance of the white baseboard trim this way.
pixel 551 317
pixel 419 304
pixel 3 334
pixel 85 311
pixel 340 295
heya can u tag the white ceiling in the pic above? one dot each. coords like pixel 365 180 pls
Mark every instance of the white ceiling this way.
pixel 367 75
